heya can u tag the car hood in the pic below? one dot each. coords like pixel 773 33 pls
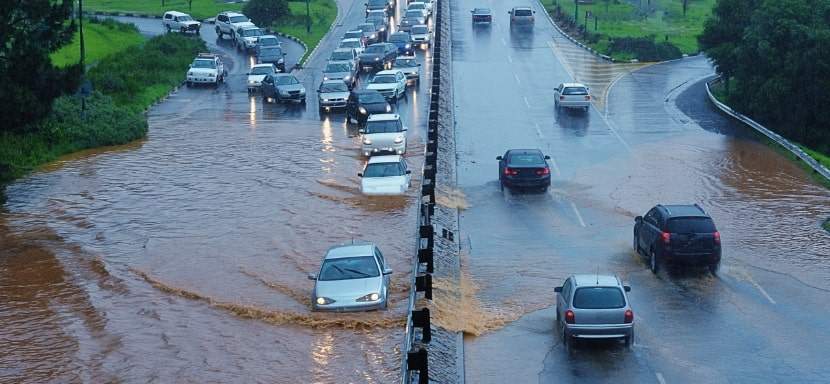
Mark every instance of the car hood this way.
pixel 256 78
pixel 291 87
pixel 412 20
pixel 382 87
pixel 203 71
pixel 191 22
pixel 390 185
pixel 336 75
pixel 348 290
pixel 423 36
pixel 407 69
pixel 367 56
pixel 375 107
pixel 334 95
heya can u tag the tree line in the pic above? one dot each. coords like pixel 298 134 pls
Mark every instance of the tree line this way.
pixel 774 58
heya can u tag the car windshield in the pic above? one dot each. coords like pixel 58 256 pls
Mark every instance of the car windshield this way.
pixel 375 49
pixel 262 70
pixel 204 64
pixel 522 12
pixel 350 44
pixel 420 30
pixel 377 2
pixel 238 19
pixel 341 55
pixel 353 35
pixel 526 159
pixel 416 6
pixel 384 79
pixel 268 41
pixel 252 32
pixel 348 268
pixel 481 11
pixel 367 27
pixel 399 37
pixel 406 63
pixel 376 19
pixel 371 98
pixel 385 126
pixel 336 67
pixel 334 87
pixel 598 298
pixel 691 225
pixel 383 170
pixel 185 18
pixel 273 51
pixel 286 80
pixel 414 14
pixel 575 91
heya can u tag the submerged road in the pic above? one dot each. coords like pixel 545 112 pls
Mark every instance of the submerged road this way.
pixel 655 140
pixel 184 256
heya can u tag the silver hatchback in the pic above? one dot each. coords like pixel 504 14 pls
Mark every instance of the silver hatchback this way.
pixel 353 277
pixel 594 307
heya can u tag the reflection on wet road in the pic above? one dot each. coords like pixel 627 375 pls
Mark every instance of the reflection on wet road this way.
pixel 185 255
pixel 656 140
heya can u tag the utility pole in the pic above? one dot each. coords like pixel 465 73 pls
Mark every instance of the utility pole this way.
pixel 576 12
pixel 83 52
pixel 307 17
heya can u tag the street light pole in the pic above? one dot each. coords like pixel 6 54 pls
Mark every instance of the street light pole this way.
pixel 307 17
pixel 576 12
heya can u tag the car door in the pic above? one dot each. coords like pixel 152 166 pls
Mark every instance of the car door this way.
pixel 406 173
pixel 650 230
pixel 562 299
pixel 382 264
pixel 401 82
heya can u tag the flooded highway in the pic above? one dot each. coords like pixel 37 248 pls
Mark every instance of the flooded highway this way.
pixel 652 139
pixel 183 257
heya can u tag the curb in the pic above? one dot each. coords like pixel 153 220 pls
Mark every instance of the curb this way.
pixel 780 140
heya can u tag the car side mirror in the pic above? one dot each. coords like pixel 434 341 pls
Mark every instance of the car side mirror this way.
pixel 638 219
pixel 419 64
pixel 361 130
pixel 190 65
pixel 498 158
pixel 547 157
pixel 408 172
pixel 557 289
pixel 387 271
pixel 405 129
pixel 627 288
pixel 284 53
pixel 312 276
pixel 359 174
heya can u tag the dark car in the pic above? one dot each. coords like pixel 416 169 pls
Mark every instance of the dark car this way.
pixel 373 5
pixel 482 15
pixel 272 54
pixel 378 56
pixel 283 87
pixel 683 234
pixel 402 40
pixel 363 103
pixel 381 22
pixel 524 168
pixel 370 32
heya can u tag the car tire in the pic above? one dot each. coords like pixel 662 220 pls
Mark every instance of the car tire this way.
pixel 501 186
pixel 714 268
pixel 585 109
pixel 635 245
pixel 544 189
pixel 189 84
pixel 218 32
pixel 167 27
pixel 183 30
pixel 629 340
pixel 567 342
pixel 654 262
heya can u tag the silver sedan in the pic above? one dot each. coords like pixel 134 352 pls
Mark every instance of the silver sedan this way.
pixel 353 277
pixel 594 307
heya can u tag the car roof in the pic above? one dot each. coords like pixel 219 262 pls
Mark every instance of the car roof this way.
pixel 350 250
pixel 262 65
pixel 596 280
pixel 175 13
pixel 385 159
pixel 264 36
pixel 384 117
pixel 349 40
pixel 525 151
pixel 574 85
pixel 388 72
pixel 285 75
pixel 248 25
pixel 337 82
pixel 338 62
pixel 481 10
pixel 684 210
pixel 522 7
pixel 420 25
pixel 231 13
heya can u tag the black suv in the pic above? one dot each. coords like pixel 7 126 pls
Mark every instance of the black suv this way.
pixel 363 103
pixel 678 233
pixel 378 56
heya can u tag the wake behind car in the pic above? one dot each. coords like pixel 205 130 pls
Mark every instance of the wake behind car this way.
pixel 403 41
pixel 482 15
pixel 272 55
pixel 246 37
pixel 410 67
pixel 353 277
pixel 521 16
pixel 391 84
pixel 341 70
pixel 524 168
pixel 283 87
pixel 683 234
pixel 378 56
pixel 207 68
pixel 332 94
pixel 363 103
pixel 572 95
pixel 227 22
pixel 383 133
pixel 258 73
pixel 594 307
pixel 421 36
pixel 180 22
pixel 385 176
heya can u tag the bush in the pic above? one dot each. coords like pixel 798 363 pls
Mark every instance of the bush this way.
pixel 266 12
pixel 644 48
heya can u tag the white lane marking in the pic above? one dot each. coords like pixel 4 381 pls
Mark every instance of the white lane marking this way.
pixel 761 289
pixel 660 378
pixel 515 76
pixel 539 131
pixel 611 128
pixel 578 216
pixel 527 103
pixel 510 59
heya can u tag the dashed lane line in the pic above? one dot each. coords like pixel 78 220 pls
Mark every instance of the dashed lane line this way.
pixel 527 103
pixel 578 216
pixel 760 288
pixel 515 76
pixel 660 378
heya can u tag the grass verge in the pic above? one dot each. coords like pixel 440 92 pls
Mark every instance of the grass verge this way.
pixel 202 9
pixel 102 38
pixel 661 21
pixel 323 13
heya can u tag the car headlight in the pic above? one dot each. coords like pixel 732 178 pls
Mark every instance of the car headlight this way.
pixel 363 110
pixel 252 82
pixel 369 297
pixel 323 301
pixel 388 108
pixel 302 91
pixel 408 46
pixel 325 78
pixel 280 60
pixel 377 59
pixel 367 141
pixel 372 36
pixel 399 140
pixel 347 78
pixel 382 29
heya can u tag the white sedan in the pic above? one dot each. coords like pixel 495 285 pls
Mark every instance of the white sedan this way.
pixel 572 95
pixel 385 175
pixel 257 73
pixel 390 83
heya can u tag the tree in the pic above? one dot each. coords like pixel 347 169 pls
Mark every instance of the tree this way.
pixel 30 31
pixel 723 32
pixel 266 12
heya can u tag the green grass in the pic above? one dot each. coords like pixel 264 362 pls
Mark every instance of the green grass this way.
pixel 822 158
pixel 665 21
pixel 826 225
pixel 202 9
pixel 323 13
pixel 101 40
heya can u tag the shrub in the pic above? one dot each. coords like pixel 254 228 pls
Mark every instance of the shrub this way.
pixel 266 12
pixel 644 48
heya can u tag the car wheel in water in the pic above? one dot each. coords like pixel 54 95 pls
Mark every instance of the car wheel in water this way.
pixel 635 245
pixel 183 30
pixel 218 32
pixel 654 263
pixel 714 268
pixel 567 342
pixel 168 28
pixel 629 340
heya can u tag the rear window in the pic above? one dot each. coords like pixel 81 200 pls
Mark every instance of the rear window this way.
pixel 377 2
pixel 420 30
pixel 414 14
pixel 691 225
pixel 574 91
pixel 238 19
pixel 526 159
pixel 522 12
pixel 598 298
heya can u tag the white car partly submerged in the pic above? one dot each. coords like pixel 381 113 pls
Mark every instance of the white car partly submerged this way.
pixel 258 73
pixel 385 176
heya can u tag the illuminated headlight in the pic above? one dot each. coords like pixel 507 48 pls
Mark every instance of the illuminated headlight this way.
pixel 363 110
pixel 372 36
pixel 377 59
pixel 367 141
pixel 382 29
pixel 347 78
pixel 408 46
pixel 251 82
pixel 399 140
pixel 323 301
pixel 388 108
pixel 369 297
pixel 302 91
pixel 325 77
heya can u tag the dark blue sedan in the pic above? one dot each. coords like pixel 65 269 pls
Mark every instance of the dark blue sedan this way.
pixel 524 168
pixel 402 40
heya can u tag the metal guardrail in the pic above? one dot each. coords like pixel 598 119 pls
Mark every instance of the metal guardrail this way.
pixel 780 140
pixel 415 359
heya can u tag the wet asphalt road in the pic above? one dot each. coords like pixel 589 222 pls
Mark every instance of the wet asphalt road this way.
pixel 184 256
pixel 763 319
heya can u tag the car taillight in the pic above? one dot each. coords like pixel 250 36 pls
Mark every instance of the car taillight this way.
pixel 561 97
pixel 629 316
pixel 570 318
pixel 717 237
pixel 666 237
pixel 510 171
pixel 543 171
pixel 587 97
